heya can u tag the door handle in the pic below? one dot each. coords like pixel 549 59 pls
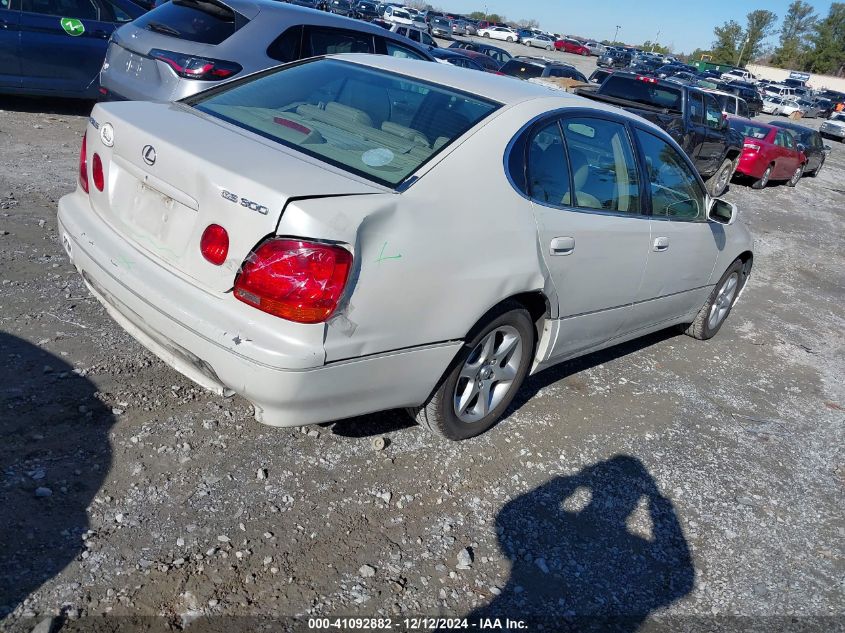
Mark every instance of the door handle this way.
pixel 660 244
pixel 562 246
pixel 103 35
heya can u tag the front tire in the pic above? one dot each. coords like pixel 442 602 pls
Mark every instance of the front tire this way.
pixel 718 306
pixel 487 35
pixel 484 377
pixel 509 39
pixel 818 169
pixel 717 184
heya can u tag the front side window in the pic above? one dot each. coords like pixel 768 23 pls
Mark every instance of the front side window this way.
pixel 675 192
pixel 370 122
pixel 712 112
pixel 604 172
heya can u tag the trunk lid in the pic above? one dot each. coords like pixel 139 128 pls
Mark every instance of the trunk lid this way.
pixel 171 172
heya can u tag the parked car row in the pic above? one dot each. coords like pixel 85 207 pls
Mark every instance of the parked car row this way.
pixel 715 130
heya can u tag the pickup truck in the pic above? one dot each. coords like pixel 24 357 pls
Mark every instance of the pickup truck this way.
pixel 691 116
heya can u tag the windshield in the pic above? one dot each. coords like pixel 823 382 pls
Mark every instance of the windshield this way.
pixel 516 68
pixel 308 107
pixel 631 89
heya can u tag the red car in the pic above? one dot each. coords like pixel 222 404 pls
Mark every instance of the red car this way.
pixel 768 153
pixel 572 46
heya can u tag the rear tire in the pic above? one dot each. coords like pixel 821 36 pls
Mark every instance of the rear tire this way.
pixel 491 365
pixel 717 184
pixel 761 182
pixel 718 306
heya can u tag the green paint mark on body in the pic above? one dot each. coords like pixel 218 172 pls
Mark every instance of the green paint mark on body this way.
pixel 382 256
pixel 72 26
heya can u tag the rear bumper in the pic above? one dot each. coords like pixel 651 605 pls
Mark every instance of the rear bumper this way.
pixel 216 345
pixel 751 165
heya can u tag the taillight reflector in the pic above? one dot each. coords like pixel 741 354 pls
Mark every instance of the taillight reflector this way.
pixel 97 172
pixel 293 279
pixel 214 244
pixel 83 165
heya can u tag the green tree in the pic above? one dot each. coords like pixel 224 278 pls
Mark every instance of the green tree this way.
pixel 797 26
pixel 728 40
pixel 759 25
pixel 478 15
pixel 828 53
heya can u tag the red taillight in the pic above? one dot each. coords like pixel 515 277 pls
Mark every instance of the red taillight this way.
pixel 298 281
pixel 191 67
pixel 650 80
pixel 97 172
pixel 214 244
pixel 83 166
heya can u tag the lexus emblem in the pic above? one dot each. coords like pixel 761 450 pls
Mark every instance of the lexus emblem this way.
pixel 149 154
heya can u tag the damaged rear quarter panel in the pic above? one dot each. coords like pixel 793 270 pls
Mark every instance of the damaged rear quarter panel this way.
pixel 431 261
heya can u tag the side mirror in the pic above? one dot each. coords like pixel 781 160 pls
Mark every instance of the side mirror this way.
pixel 722 212
pixel 802 147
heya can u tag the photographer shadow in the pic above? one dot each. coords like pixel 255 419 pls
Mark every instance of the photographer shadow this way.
pixel 54 456
pixel 598 550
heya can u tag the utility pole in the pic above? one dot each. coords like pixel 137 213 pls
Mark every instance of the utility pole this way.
pixel 615 35
pixel 741 51
pixel 656 40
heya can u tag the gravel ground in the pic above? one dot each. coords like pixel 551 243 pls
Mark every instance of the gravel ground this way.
pixel 678 483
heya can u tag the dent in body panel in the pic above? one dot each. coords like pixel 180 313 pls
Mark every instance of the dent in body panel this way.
pixel 431 261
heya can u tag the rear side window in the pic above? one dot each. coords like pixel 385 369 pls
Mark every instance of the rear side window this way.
pixel 604 172
pixel 202 21
pixel 377 124
pixel 548 169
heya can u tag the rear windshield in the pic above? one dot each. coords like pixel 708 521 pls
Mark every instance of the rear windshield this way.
pixel 749 130
pixel 342 113
pixel 203 21
pixel 642 92
pixel 516 68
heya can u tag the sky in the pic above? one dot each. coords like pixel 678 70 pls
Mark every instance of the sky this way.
pixel 684 24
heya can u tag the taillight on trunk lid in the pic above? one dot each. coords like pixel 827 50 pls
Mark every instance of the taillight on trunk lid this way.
pixel 293 279
pixel 191 67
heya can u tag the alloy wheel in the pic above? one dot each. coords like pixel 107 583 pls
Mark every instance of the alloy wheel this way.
pixel 724 176
pixel 488 373
pixel 723 302
pixel 766 175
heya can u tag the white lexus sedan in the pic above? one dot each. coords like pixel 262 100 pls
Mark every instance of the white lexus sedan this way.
pixel 349 234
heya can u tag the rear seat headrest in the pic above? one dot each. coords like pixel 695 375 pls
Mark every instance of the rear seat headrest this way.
pixel 354 115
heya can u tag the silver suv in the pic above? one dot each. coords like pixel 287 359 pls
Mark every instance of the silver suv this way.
pixel 185 46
